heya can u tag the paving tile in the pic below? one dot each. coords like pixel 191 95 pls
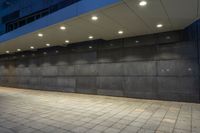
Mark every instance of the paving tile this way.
pixel 131 129
pixel 4 130
pixel 180 131
pixel 80 130
pixel 100 128
pixel 31 111
pixel 111 130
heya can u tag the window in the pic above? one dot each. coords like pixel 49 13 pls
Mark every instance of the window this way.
pixel 22 22
pixel 12 21
pixel 10 17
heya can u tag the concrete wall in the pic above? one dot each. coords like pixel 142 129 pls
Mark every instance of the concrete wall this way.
pixel 161 66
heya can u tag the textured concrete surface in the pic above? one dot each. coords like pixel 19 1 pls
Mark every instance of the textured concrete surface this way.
pixel 160 66
pixel 32 111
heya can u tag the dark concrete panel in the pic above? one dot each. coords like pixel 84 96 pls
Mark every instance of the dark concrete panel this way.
pixel 88 46
pixel 111 69
pixel 189 85
pixel 83 57
pixel 63 59
pixel 1 80
pixel 67 70
pixel 4 81
pixel 114 55
pixel 10 71
pixel 34 82
pixel 169 37
pixel 67 84
pixel 3 71
pixel 47 60
pixel 167 68
pixel 188 67
pixel 23 71
pixel 23 81
pixel 140 40
pixel 35 71
pixel 49 71
pixel 178 68
pixel 2 67
pixel 182 50
pixel 110 92
pixel 112 44
pixel 33 62
pixel 139 53
pixel 86 69
pixel 22 63
pixel 11 81
pixel 110 83
pixel 49 83
pixel 141 87
pixel 140 68
pixel 178 88
pixel 86 85
pixel 167 84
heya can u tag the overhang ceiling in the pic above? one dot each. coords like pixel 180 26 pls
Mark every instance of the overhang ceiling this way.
pixel 126 15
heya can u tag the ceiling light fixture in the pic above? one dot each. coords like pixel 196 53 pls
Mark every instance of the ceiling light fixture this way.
pixel 168 37
pixel 7 52
pixel 31 47
pixel 18 50
pixel 90 37
pixel 137 41
pixel 94 18
pixel 120 32
pixel 143 3
pixel 62 27
pixel 159 25
pixel 90 47
pixel 40 34
pixel 67 41
pixel 48 45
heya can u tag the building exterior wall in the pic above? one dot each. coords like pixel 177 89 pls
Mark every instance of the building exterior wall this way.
pixel 160 66
pixel 26 7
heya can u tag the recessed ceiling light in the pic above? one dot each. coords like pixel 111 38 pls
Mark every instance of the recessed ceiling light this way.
pixel 120 32
pixel 18 50
pixel 137 41
pixel 159 25
pixel 67 41
pixel 62 27
pixel 168 37
pixel 90 47
pixel 7 52
pixel 31 47
pixel 143 3
pixel 48 45
pixel 94 18
pixel 40 34
pixel 90 37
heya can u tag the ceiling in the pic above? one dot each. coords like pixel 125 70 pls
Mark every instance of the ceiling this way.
pixel 126 15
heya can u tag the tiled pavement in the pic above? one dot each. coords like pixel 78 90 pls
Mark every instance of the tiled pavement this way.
pixel 29 111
